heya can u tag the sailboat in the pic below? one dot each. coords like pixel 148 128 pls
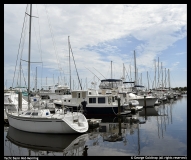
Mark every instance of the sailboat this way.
pixel 41 120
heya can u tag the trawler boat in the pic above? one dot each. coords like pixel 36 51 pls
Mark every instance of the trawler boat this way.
pixel 95 103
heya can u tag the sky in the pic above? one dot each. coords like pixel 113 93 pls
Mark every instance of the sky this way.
pixel 81 44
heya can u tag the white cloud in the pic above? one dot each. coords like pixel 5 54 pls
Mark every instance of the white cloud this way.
pixel 92 29
pixel 180 53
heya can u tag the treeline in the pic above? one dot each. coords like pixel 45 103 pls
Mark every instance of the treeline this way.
pixel 180 88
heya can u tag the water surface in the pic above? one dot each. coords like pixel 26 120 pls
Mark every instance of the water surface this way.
pixel 156 131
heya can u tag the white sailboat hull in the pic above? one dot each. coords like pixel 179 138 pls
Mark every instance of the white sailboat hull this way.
pixel 50 124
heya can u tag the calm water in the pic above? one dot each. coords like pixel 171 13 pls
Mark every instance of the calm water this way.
pixel 157 131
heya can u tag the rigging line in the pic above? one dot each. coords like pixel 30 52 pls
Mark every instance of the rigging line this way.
pixel 59 67
pixel 24 77
pixel 40 46
pixel 99 72
pixel 93 73
pixel 23 41
pixel 19 46
pixel 127 74
pixel 75 65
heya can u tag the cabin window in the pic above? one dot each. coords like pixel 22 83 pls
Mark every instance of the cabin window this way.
pixel 113 99
pixel 90 93
pixel 64 100
pixel 28 113
pixel 92 100
pixel 68 100
pixel 47 113
pixel 35 113
pixel 101 99
pixel 78 95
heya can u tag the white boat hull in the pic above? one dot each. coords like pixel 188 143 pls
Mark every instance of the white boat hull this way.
pixel 149 101
pixel 49 124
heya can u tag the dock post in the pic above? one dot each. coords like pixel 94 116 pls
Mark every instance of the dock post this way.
pixel 119 107
pixel 19 100
pixel 145 101
pixel 145 107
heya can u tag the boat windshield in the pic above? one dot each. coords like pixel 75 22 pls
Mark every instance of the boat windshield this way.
pixel 110 83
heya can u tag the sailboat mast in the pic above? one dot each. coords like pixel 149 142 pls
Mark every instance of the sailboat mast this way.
pixel 36 80
pixel 155 74
pixel 162 74
pixel 148 80
pixel 141 79
pixel 29 54
pixel 130 72
pixel 165 78
pixel 123 72
pixel 20 73
pixel 69 62
pixel 137 77
pixel 111 69
pixel 169 78
pixel 135 69
pixel 158 72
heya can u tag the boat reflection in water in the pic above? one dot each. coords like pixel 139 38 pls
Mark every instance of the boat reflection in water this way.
pixel 116 129
pixel 67 144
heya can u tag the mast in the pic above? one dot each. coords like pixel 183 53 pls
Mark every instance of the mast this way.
pixel 69 62
pixel 162 75
pixel 29 55
pixel 111 69
pixel 130 72
pixel 165 78
pixel 123 72
pixel 155 73
pixel 36 81
pixel 148 80
pixel 158 72
pixel 53 80
pixel 141 78
pixel 86 83
pixel 169 78
pixel 135 68
pixel 137 77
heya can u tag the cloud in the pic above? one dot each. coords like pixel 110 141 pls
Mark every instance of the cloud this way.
pixel 100 32
pixel 180 53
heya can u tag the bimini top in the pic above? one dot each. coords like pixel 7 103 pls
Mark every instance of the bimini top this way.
pixel 138 86
pixel 128 82
pixel 111 80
